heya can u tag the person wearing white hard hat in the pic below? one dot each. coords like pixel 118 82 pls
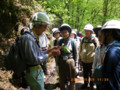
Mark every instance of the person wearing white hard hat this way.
pixel 99 57
pixel 97 29
pixel 74 36
pixel 56 35
pixel 111 64
pixel 86 54
pixel 67 59
pixel 33 55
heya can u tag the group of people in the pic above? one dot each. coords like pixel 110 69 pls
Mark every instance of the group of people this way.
pixel 69 50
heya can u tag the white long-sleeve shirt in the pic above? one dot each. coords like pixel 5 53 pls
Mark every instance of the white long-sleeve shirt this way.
pixel 43 41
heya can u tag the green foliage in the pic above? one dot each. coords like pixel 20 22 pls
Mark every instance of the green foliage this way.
pixel 77 13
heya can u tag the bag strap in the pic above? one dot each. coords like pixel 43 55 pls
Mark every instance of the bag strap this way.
pixel 82 41
pixel 93 41
pixel 60 42
pixel 72 43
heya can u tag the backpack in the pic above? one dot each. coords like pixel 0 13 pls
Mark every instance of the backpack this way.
pixel 13 58
pixel 93 41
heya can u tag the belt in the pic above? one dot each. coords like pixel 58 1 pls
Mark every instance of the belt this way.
pixel 34 67
pixel 37 67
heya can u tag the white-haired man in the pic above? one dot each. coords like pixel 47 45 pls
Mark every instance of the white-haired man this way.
pixel 86 54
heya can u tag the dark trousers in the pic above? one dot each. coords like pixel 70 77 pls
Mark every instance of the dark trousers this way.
pixel 87 72
pixel 44 67
pixel 67 72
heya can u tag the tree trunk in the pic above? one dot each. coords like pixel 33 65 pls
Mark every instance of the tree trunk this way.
pixel 105 11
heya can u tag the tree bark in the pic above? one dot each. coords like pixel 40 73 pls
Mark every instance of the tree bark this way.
pixel 105 10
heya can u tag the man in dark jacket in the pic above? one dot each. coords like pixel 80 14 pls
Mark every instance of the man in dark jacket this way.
pixel 33 55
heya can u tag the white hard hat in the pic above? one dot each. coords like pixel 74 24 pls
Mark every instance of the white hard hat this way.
pixel 41 18
pixel 73 32
pixel 88 27
pixel 55 30
pixel 112 24
pixel 65 26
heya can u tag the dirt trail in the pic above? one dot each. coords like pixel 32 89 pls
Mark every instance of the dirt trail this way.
pixel 52 80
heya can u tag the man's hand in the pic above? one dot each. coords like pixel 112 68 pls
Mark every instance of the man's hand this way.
pixel 54 48
pixel 55 51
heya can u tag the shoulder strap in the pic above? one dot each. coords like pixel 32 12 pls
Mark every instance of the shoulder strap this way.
pixel 94 42
pixel 82 41
pixel 72 42
pixel 60 42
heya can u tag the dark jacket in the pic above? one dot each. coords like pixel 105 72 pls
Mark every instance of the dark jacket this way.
pixel 31 51
pixel 74 51
pixel 111 67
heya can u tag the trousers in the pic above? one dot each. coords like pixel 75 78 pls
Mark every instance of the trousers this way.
pixel 34 78
pixel 67 73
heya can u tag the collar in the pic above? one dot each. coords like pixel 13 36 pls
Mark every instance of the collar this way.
pixel 88 38
pixel 113 43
